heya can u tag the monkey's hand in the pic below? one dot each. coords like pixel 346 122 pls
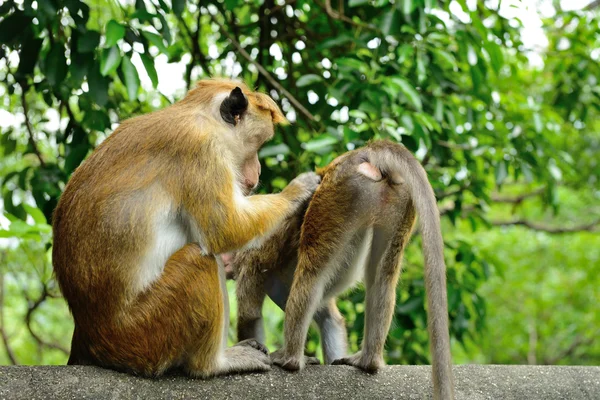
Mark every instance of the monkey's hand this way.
pixel 290 363
pixel 254 344
pixel 302 187
pixel 367 364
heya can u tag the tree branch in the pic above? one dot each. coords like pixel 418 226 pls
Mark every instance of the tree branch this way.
pixel 9 351
pixel 32 142
pixel 195 51
pixel 579 340
pixel 592 5
pixel 549 229
pixel 264 72
pixel 518 199
pixel 455 146
pixel 341 17
pixel 28 318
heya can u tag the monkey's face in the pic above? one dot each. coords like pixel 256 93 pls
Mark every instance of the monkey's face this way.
pixel 250 119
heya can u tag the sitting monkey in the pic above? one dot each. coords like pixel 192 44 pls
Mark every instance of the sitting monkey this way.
pixel 139 224
pixel 356 226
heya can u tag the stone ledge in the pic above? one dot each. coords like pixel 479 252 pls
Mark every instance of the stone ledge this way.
pixel 323 382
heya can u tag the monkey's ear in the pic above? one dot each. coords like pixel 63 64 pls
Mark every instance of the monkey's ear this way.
pixel 234 106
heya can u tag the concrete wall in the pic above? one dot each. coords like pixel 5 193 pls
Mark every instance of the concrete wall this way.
pixel 327 382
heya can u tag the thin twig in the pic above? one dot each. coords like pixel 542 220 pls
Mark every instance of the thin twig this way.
pixel 579 340
pixel 28 319
pixel 454 146
pixel 36 151
pixel 592 5
pixel 591 227
pixel 341 17
pixel 9 351
pixel 498 198
pixel 264 72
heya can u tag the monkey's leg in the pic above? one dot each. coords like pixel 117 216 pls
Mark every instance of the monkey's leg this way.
pixel 177 322
pixel 333 332
pixel 381 277
pixel 305 296
pixel 250 292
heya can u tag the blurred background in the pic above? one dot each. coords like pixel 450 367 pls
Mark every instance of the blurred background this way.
pixel 499 99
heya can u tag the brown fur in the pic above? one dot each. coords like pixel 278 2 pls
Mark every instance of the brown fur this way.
pixel 175 173
pixel 347 204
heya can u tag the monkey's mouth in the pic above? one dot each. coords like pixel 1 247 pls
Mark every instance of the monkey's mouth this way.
pixel 249 190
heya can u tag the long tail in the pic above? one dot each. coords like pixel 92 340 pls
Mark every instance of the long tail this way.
pixel 397 162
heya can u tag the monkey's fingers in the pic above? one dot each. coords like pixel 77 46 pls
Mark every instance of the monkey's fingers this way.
pixel 288 363
pixel 308 181
pixel 254 344
pixel 356 361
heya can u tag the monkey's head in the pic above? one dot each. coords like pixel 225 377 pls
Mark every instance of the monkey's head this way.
pixel 246 119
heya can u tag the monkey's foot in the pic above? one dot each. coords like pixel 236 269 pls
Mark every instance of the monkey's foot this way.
pixel 291 363
pixel 254 344
pixel 367 364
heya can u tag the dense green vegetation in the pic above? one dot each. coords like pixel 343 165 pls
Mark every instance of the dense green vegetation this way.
pixel 506 125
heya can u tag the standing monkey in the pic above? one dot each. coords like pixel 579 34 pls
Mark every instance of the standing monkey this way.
pixel 139 223
pixel 356 225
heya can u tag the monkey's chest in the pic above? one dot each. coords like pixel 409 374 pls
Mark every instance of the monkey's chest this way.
pixel 347 266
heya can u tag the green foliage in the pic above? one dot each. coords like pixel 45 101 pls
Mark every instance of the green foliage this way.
pixel 462 95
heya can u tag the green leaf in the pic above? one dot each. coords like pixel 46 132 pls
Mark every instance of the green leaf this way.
pixel 501 172
pixel 356 3
pixel 150 69
pixel 79 11
pixel 351 64
pixel 132 80
pixel 412 304
pixel 28 56
pixel 98 86
pixel 114 32
pixel 495 53
pixel 88 42
pixel 537 122
pixel 164 28
pixel 80 66
pixel 16 210
pixel 143 16
pixel 13 26
pixel 408 6
pixel 47 7
pixel 409 91
pixel 445 59
pixel 56 64
pixel 36 214
pixel 391 22
pixel 110 60
pixel 93 120
pixel 320 142
pixel 178 7
pixel 75 156
pixel 274 150
pixel 156 40
pixel 308 79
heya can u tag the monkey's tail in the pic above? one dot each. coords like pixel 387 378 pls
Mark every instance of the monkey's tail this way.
pixel 400 165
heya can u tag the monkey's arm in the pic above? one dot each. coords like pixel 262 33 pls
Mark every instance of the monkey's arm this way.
pixel 234 221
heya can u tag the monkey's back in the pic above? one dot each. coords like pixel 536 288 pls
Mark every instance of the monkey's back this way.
pixel 104 217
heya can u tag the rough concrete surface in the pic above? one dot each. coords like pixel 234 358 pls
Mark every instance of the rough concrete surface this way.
pixel 316 382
